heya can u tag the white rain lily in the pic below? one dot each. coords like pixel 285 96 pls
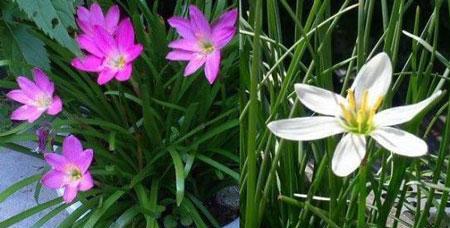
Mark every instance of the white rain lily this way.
pixel 356 116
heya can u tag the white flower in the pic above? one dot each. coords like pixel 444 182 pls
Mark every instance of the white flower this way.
pixel 356 116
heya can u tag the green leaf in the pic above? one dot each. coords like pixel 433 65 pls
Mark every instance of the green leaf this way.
pixel 179 175
pixel 45 14
pixel 126 217
pixel 32 48
pixel 11 51
pixel 65 11
pixel 28 213
pixel 98 213
pixel 17 186
pixel 219 166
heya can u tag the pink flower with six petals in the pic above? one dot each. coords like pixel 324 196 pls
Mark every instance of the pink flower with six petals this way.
pixel 37 97
pixel 200 42
pixel 110 55
pixel 69 170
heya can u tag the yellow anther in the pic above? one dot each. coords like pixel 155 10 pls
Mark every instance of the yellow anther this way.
pixel 377 104
pixel 351 99
pixel 359 118
pixel 346 113
pixel 207 47
pixel 364 101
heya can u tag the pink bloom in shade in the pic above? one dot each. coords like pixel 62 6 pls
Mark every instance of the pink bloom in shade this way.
pixel 200 42
pixel 69 170
pixel 110 55
pixel 87 19
pixel 37 97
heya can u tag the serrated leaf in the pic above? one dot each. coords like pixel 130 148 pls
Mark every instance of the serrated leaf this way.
pixel 65 11
pixel 21 47
pixel 46 17
pixel 32 48
pixel 11 51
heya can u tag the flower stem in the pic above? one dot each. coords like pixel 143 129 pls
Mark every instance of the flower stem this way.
pixel 362 195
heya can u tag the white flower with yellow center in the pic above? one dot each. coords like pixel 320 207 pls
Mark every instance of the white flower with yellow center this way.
pixel 356 116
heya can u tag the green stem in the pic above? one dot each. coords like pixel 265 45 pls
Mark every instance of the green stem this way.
pixel 251 215
pixel 362 195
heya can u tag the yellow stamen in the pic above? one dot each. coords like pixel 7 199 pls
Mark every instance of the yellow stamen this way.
pixel 207 47
pixel 351 99
pixel 358 118
pixel 364 101
pixel 377 104
pixel 346 113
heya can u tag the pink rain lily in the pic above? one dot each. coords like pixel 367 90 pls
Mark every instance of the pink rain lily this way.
pixel 69 170
pixel 110 55
pixel 87 19
pixel 37 97
pixel 200 42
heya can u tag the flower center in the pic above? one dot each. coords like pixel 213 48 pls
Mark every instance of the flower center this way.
pixel 117 62
pixel 359 118
pixel 207 47
pixel 43 102
pixel 74 174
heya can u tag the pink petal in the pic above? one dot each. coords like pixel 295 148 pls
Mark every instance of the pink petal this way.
pixel 112 18
pixel 84 160
pixel 124 74
pixel 19 96
pixel 178 55
pixel 223 37
pixel 194 64
pixel 106 76
pixel 125 34
pixel 212 66
pixel 82 13
pixel 85 26
pixel 70 192
pixel 96 16
pixel 72 148
pixel 56 161
pixel 182 26
pixel 86 182
pixel 55 107
pixel 43 82
pixel 226 20
pixel 198 20
pixel 86 42
pixel 88 63
pixel 134 52
pixel 104 41
pixel 28 87
pixel 54 179
pixel 26 112
pixel 186 45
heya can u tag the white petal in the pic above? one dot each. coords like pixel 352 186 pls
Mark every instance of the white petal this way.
pixel 320 100
pixel 400 142
pixel 375 77
pixel 401 114
pixel 306 128
pixel 348 155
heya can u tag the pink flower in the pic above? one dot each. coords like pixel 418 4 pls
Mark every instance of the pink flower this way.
pixel 87 19
pixel 110 55
pixel 69 170
pixel 200 43
pixel 37 97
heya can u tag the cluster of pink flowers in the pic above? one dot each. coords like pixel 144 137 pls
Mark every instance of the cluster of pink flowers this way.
pixel 110 50
pixel 109 45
